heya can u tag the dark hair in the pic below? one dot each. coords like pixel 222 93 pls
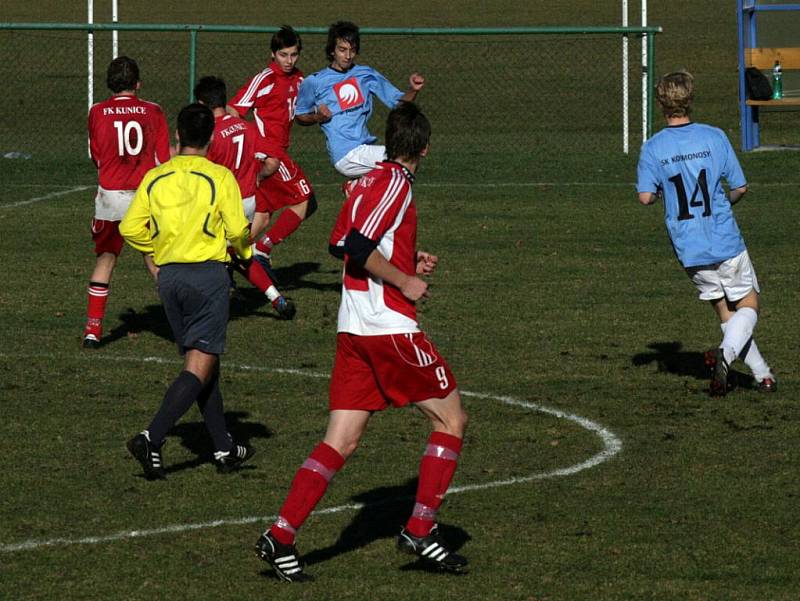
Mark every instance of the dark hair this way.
pixel 195 125
pixel 342 30
pixel 285 37
pixel 408 132
pixel 122 74
pixel 211 91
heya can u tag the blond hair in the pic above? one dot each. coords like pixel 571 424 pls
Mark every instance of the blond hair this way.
pixel 675 93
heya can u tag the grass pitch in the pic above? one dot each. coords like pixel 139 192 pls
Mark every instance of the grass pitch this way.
pixel 554 289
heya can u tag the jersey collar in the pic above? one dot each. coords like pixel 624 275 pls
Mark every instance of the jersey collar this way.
pixel 395 165
pixel 353 66
pixel 276 69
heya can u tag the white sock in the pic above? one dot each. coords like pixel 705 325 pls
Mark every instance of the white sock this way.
pixel 272 293
pixel 738 331
pixel 753 359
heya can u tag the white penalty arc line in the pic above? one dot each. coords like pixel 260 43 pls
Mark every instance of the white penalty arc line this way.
pixel 611 446
pixel 44 197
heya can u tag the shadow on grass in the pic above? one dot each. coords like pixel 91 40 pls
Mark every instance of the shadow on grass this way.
pixel 293 277
pixel 671 358
pixel 246 301
pixel 194 437
pixel 386 510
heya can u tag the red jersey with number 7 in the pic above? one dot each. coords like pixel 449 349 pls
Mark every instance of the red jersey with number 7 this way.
pixel 235 144
pixel 272 96
pixel 128 136
pixel 381 207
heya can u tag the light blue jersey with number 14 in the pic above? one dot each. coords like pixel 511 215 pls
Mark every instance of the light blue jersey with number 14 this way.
pixel 687 164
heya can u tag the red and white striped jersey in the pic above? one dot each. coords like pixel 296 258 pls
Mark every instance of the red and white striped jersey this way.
pixel 128 136
pixel 235 144
pixel 272 96
pixel 381 207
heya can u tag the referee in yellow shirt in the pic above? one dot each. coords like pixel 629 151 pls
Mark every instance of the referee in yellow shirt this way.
pixel 184 213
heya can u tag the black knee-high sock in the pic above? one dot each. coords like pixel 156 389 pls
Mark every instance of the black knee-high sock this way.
pixel 210 404
pixel 180 395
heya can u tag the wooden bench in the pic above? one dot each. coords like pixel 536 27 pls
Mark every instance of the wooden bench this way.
pixel 764 59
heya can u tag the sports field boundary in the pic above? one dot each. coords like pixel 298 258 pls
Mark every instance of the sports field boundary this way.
pixel 487 185
pixel 612 445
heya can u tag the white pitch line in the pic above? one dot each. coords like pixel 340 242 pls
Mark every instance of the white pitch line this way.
pixel 611 446
pixel 45 197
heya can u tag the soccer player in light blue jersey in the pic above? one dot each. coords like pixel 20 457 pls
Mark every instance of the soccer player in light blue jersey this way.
pixel 684 164
pixel 339 98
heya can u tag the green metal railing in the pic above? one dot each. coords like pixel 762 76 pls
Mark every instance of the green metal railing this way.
pixel 568 78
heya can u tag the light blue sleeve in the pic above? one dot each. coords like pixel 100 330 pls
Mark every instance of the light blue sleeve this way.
pixel 731 170
pixel 306 101
pixel 647 172
pixel 383 89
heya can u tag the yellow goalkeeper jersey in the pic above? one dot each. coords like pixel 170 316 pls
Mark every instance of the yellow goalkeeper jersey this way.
pixel 185 210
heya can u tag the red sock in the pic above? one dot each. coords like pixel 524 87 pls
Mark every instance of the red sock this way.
pixel 253 271
pixel 287 222
pixel 435 473
pixel 308 487
pixel 96 310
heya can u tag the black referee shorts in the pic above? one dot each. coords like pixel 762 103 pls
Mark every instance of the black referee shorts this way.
pixel 195 299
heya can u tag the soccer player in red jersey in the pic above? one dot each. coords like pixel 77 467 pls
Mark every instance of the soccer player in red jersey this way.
pixel 382 357
pixel 127 137
pixel 272 95
pixel 236 145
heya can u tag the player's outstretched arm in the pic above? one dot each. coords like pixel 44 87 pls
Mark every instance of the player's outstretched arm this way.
pixel 415 83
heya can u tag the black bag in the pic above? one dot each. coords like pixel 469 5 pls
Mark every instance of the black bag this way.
pixel 758 86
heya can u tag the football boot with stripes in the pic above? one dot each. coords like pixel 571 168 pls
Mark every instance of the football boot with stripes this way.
pixel 719 375
pixel 767 385
pixel 432 549
pixel 229 461
pixel 283 559
pixel 284 307
pixel 91 341
pixel 149 455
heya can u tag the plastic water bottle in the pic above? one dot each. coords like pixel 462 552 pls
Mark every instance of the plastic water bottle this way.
pixel 777 81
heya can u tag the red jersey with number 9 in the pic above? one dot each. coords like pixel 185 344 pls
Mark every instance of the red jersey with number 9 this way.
pixel 128 136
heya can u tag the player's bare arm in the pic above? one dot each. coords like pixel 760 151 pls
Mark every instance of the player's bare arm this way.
pixel 736 194
pixel 426 263
pixel 321 115
pixel 412 287
pixel 415 83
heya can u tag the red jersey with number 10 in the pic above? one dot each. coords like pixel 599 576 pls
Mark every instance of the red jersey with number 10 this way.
pixel 128 136
pixel 272 95
pixel 235 145
pixel 381 207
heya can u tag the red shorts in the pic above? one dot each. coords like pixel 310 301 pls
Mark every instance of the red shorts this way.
pixel 106 236
pixel 372 372
pixel 287 186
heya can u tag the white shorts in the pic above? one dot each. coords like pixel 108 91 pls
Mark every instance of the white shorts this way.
pixel 111 205
pixel 732 279
pixel 249 205
pixel 362 159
